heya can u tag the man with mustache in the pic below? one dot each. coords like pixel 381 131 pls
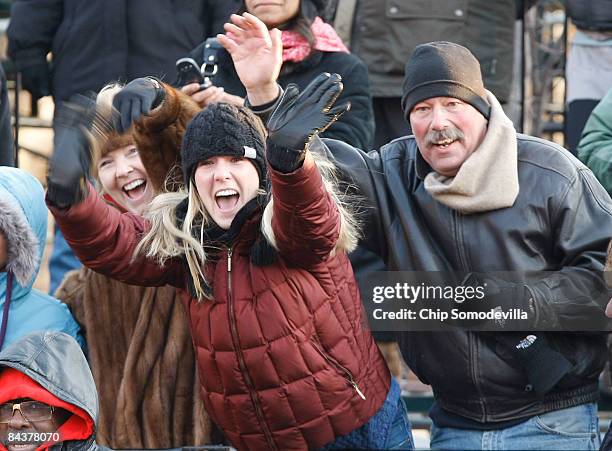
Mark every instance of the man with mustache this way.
pixel 468 194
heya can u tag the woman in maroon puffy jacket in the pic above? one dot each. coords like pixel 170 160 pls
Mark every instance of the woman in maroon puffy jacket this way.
pixel 274 310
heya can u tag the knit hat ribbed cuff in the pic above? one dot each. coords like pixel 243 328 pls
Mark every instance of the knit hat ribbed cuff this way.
pixel 443 69
pixel 444 88
pixel 224 130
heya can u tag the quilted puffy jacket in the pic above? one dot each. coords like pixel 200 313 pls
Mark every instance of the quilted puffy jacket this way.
pixel 284 356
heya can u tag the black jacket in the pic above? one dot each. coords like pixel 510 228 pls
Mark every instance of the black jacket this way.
pixel 385 32
pixel 560 221
pixel 7 147
pixel 95 42
pixel 355 127
pixel 593 15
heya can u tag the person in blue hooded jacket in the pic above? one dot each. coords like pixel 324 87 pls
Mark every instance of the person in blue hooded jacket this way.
pixel 23 231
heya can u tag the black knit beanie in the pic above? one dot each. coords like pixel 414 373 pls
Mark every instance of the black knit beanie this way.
pixel 224 130
pixel 443 69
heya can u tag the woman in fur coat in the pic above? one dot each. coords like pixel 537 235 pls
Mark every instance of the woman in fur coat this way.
pixel 139 346
pixel 258 241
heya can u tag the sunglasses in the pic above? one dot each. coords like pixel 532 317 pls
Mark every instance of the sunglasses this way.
pixel 30 410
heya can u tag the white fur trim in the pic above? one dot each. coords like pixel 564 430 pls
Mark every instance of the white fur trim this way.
pixel 22 243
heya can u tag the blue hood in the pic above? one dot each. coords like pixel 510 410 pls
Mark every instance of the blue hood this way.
pixel 24 224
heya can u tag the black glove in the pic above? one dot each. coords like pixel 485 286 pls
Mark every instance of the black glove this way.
pixel 136 99
pixel 494 294
pixel 36 80
pixel 543 365
pixel 70 163
pixel 298 117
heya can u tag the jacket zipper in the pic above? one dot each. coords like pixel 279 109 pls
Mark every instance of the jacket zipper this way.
pixel 240 356
pixel 339 367
pixel 471 337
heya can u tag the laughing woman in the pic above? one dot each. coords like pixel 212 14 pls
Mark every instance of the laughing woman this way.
pixel 258 239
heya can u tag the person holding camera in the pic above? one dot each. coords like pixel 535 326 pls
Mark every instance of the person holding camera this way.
pixel 309 47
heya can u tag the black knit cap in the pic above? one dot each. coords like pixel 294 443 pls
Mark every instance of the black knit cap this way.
pixel 443 69
pixel 224 130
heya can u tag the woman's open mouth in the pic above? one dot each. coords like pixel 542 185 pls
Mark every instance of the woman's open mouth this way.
pixel 135 189
pixel 227 199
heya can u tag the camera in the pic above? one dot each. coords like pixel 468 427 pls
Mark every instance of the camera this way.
pixel 188 70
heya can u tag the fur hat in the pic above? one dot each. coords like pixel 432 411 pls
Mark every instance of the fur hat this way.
pixel 222 129
pixel 443 69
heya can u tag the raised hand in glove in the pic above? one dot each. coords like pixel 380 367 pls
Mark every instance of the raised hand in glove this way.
pixel 36 79
pixel 299 117
pixel 70 163
pixel 136 99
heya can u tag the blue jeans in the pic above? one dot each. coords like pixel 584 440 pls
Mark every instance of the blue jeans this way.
pixel 372 436
pixel 575 428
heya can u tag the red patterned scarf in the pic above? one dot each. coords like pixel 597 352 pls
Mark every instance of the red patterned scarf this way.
pixel 296 48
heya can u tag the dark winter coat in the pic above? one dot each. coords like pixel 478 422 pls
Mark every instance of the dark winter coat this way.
pixel 287 338
pixel 385 32
pixel 7 147
pixel 595 15
pixel 355 127
pixel 560 221
pixel 99 41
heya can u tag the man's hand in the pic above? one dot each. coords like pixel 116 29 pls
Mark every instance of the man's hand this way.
pixel 298 117
pixel 212 94
pixel 257 54
pixel 36 80
pixel 136 99
pixel 69 165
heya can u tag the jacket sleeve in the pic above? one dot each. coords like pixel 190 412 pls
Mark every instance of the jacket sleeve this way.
pixel 32 29
pixel 362 175
pixel 305 219
pixel 158 136
pixel 574 298
pixel 356 126
pixel 595 147
pixel 104 240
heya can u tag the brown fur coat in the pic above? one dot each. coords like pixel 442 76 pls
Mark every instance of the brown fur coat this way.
pixel 159 136
pixel 141 356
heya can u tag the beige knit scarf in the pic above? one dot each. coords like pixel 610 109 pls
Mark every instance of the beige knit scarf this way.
pixel 488 179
